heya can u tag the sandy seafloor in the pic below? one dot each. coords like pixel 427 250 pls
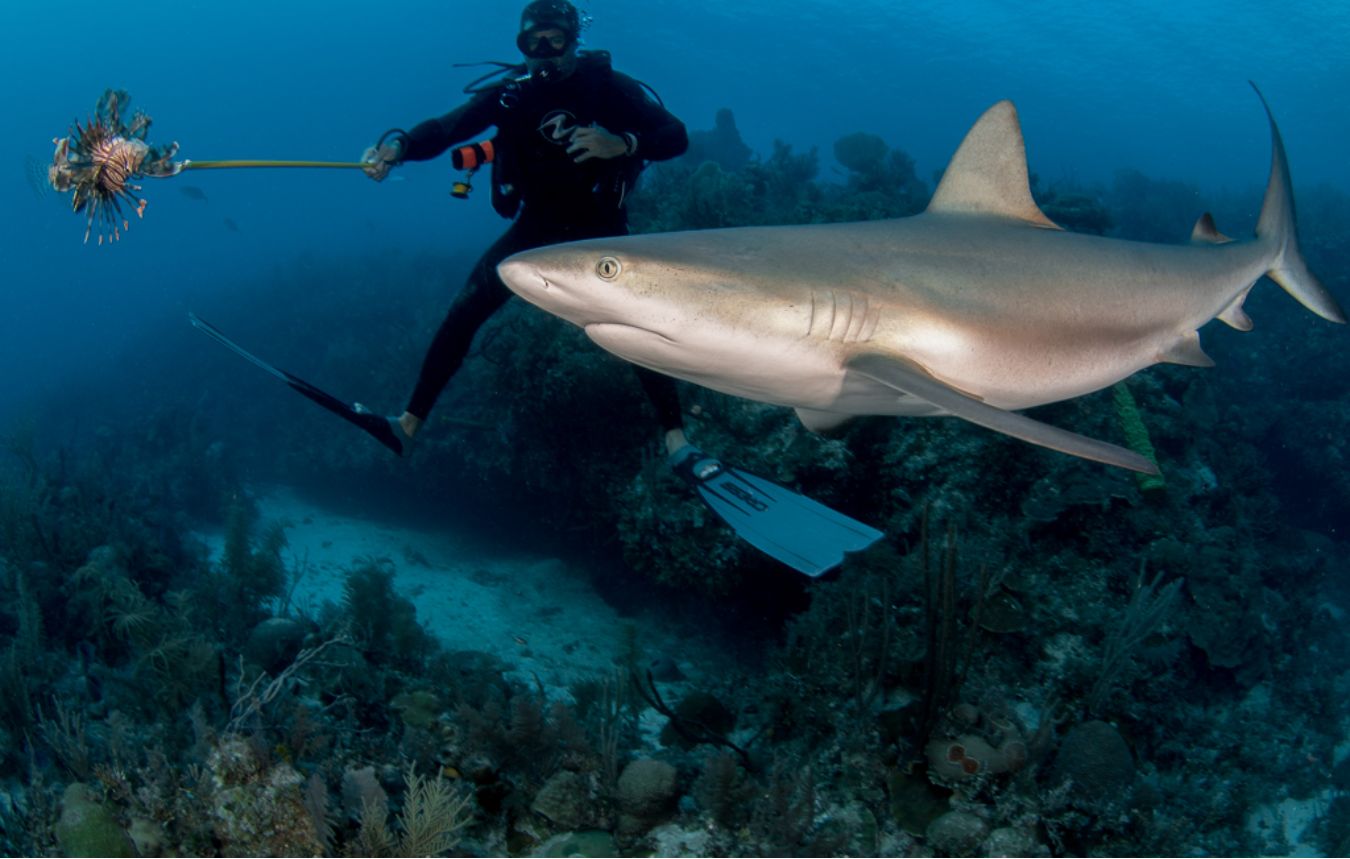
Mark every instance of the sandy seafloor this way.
pixel 540 616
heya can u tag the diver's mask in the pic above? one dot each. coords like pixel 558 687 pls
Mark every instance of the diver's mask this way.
pixel 550 53
pixel 544 43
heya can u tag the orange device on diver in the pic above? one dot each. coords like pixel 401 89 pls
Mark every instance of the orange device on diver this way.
pixel 469 158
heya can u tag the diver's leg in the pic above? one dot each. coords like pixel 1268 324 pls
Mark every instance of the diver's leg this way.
pixel 483 295
pixel 665 398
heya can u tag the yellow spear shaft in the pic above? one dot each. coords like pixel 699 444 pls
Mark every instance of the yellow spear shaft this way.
pixel 219 165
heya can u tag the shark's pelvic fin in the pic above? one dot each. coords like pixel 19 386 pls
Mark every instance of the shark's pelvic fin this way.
pixel 1187 352
pixel 1234 316
pixel 907 377
pixel 988 174
pixel 1277 226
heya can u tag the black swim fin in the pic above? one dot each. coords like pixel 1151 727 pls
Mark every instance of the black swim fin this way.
pixel 378 426
pixel 802 533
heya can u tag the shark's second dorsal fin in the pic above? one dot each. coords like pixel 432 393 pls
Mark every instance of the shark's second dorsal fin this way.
pixel 1207 233
pixel 988 173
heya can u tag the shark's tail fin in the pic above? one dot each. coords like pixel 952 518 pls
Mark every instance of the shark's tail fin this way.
pixel 1277 226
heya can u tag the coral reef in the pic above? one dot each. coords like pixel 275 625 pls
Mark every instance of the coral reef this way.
pixel 257 806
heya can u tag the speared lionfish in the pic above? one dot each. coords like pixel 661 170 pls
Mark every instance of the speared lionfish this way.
pixel 100 160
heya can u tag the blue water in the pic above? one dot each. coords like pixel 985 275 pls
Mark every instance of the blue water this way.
pixel 1160 87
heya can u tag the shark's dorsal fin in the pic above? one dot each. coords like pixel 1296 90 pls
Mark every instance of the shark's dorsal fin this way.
pixel 988 173
pixel 1207 233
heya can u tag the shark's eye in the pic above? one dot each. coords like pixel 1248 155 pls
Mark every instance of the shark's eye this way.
pixel 608 268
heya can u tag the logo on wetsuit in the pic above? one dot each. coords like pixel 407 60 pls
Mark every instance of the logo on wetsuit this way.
pixel 558 126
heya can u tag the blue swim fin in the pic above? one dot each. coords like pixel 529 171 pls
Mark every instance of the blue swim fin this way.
pixel 802 533
pixel 378 426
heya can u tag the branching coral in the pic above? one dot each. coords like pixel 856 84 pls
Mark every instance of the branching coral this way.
pixel 432 816
pixel 1150 606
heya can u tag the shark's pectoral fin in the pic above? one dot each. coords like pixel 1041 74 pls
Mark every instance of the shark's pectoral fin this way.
pixel 912 379
pixel 817 420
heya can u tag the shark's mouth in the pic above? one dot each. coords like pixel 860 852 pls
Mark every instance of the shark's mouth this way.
pixel 656 351
pixel 648 348
pixel 620 338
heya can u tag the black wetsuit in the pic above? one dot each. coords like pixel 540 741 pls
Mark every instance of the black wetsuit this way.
pixel 557 199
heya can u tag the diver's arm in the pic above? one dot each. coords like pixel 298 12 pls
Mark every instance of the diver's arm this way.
pixel 429 139
pixel 655 133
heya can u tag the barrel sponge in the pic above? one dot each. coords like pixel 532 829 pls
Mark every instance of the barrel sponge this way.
pixel 957 833
pixel 1095 760
pixel 647 787
pixel 87 828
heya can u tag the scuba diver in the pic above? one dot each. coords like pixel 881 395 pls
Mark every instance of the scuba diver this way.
pixel 572 136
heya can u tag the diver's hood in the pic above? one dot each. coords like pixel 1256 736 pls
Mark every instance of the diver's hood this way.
pixel 545 14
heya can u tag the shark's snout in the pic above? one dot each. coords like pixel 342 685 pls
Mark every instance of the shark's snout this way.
pixel 538 279
pixel 522 277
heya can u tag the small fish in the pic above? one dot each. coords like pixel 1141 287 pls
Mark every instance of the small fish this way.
pixel 88 658
pixel 192 192
pixel 231 225
pixel 36 174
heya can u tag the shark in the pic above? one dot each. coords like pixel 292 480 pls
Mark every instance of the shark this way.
pixel 978 307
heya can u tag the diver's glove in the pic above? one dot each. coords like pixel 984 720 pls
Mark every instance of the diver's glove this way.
pixel 595 142
pixel 379 159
